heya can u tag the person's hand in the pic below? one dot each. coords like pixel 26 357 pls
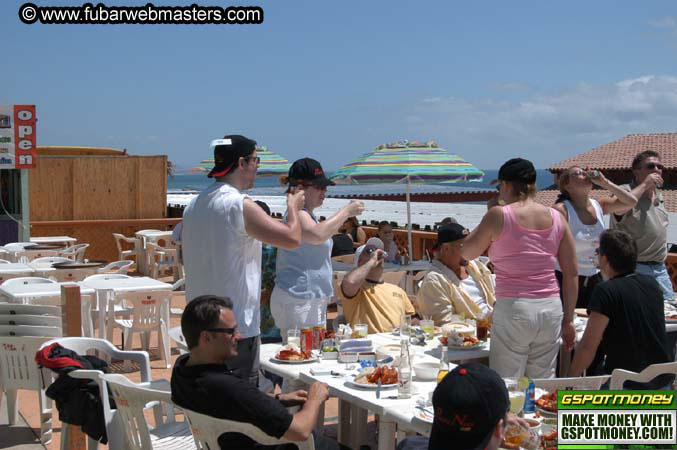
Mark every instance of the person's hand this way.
pixel 354 208
pixel 296 200
pixel 569 334
pixel 514 420
pixel 294 398
pixel 377 257
pixel 318 391
pixel 599 179
pixel 653 181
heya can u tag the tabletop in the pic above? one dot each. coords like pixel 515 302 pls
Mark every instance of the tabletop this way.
pixel 127 284
pixel 16 268
pixel 52 239
pixel 154 234
pixel 20 291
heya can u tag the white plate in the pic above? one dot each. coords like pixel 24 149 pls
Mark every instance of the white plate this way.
pixel 545 412
pixel 424 416
pixel 372 387
pixel 286 361
pixel 479 346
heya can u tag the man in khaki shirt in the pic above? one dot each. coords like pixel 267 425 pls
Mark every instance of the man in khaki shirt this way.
pixel 454 285
pixel 367 298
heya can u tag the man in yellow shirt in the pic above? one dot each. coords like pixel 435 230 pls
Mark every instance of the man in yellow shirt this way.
pixel 367 298
pixel 455 285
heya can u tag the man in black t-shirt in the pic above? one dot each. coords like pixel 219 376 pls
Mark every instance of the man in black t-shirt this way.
pixel 202 382
pixel 626 315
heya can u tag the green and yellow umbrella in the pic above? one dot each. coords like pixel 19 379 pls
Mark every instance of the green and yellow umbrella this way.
pixel 411 162
pixel 271 165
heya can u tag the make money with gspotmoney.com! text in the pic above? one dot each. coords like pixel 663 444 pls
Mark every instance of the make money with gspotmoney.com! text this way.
pixel 88 13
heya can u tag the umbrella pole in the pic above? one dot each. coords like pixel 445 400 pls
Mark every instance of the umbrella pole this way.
pixel 411 254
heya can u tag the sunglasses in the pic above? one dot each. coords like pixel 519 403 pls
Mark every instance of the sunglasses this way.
pixel 249 158
pixel 231 331
pixel 653 166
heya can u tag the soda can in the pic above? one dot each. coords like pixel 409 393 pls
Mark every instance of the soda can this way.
pixel 592 173
pixel 318 336
pixel 306 339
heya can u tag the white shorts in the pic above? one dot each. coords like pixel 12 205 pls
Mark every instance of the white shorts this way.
pixel 525 336
pixel 291 312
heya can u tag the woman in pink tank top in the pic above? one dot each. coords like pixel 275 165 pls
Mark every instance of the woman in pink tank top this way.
pixel 525 240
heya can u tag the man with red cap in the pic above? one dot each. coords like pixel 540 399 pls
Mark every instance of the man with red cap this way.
pixel 221 240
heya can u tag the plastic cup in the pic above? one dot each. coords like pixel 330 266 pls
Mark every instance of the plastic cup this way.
pixel 361 330
pixel 428 327
pixel 293 337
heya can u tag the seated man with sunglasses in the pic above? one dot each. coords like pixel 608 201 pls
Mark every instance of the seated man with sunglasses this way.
pixel 647 222
pixel 202 381
pixel 367 298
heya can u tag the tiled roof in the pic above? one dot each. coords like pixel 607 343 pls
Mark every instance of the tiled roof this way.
pixel 618 155
pixel 547 197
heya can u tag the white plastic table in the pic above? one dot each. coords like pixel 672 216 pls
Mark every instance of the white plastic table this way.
pixel 16 268
pixel 118 285
pixel 21 292
pixel 67 240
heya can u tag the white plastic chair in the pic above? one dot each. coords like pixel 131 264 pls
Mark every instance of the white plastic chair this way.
pixel 177 336
pixel 131 400
pixel 49 260
pixel 177 290
pixel 4 261
pixel 28 280
pixel 30 330
pixel 148 313
pixel 10 276
pixel 574 383
pixel 17 246
pixel 126 254
pixel 75 252
pixel 620 376
pixel 120 267
pixel 30 255
pixel 207 429
pixel 84 345
pixel 18 370
pixel 161 259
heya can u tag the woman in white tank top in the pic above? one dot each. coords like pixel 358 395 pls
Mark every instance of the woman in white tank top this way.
pixel 585 216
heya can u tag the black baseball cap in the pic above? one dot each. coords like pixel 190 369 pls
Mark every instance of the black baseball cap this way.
pixel 307 170
pixel 227 151
pixel 451 232
pixel 517 169
pixel 468 404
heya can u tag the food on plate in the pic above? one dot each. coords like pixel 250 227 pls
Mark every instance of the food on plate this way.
pixel 671 317
pixel 459 340
pixel 387 375
pixel 290 353
pixel 549 441
pixel 548 402
pixel 444 340
pixel 329 349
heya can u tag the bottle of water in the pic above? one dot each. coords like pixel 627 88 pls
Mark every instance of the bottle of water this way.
pixel 404 372
pixel 443 369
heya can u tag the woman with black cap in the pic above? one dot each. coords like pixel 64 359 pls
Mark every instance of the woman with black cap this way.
pixel 525 239
pixel 304 276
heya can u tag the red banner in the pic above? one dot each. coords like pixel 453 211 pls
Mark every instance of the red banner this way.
pixel 25 136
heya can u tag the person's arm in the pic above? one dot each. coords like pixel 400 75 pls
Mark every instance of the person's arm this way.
pixel 305 420
pixel 288 399
pixel 586 350
pixel 274 232
pixel 353 280
pixel 622 200
pixel 317 233
pixel 569 266
pixel 361 236
pixel 559 207
pixel 486 232
pixel 649 184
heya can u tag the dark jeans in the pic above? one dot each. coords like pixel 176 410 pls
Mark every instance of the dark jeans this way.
pixel 585 287
pixel 246 363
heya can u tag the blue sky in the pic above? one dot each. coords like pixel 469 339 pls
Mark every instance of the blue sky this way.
pixel 331 80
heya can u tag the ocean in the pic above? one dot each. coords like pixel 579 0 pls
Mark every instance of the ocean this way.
pixel 271 185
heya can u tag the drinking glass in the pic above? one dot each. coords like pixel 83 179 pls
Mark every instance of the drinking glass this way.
pixel 428 327
pixel 517 396
pixel 482 323
pixel 361 330
pixel 405 325
pixel 293 337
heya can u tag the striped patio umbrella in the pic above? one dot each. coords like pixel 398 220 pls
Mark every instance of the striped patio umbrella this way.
pixel 271 165
pixel 411 162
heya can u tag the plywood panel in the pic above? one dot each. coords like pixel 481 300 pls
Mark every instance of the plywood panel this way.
pixel 98 188
pixel 51 189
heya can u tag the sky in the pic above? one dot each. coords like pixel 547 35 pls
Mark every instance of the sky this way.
pixel 332 80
